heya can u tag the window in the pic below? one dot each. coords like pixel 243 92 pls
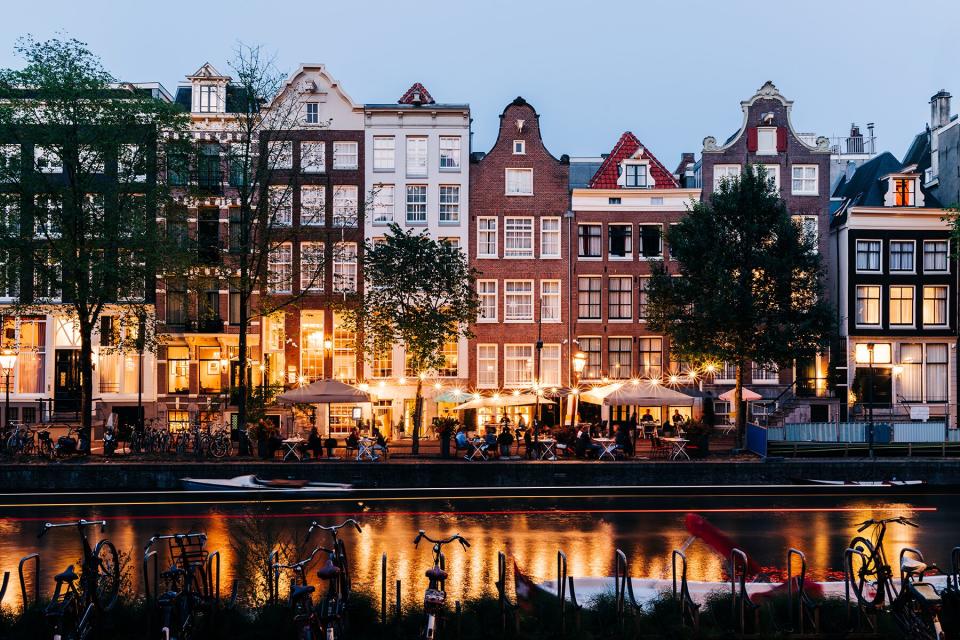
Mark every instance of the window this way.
pixel 311 266
pixel 588 297
pixel 636 175
pixel 451 357
pixel 47 160
pixel 486 366
pixel 723 172
pixel 903 191
pixel 131 163
pixel 591 347
pixel 280 268
pixel 384 153
pixel 901 255
pixel 176 289
pixel 868 255
pixel 620 298
pixel 209 98
pixel 772 173
pixel 935 306
pixel 550 237
pixel 312 206
pixel 311 346
pixel 518 237
pixel 614 200
pixel 281 208
pixel 519 147
pixel 517 365
pixel 450 203
pixel 178 369
pixel 9 162
pixel 417 157
pixel 383 203
pixel 416 204
pixel 589 236
pixel 344 353
pixel 449 152
pixel 451 240
pixel 281 154
pixel 237 166
pixel 620 358
pixel 809 230
pixel 620 240
pixel 519 182
pixel 550 365
pixel 345 267
pixel 935 254
pixel 765 373
pixel 901 306
pixel 643 284
pixel 550 300
pixel 345 155
pixel 651 241
pixel 804 180
pixel 381 365
pixel 937 375
pixel 47 216
pixel 313 157
pixel 868 305
pixel 345 206
pixel 486 237
pixel 910 381
pixel 487 292
pixel 518 300
pixel 313 113
pixel 233 302
pixel 766 141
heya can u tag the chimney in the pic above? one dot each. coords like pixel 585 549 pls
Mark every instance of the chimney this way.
pixel 871 142
pixel 940 109
pixel 855 140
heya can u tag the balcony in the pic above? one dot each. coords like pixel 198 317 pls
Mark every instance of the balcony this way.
pixel 206 325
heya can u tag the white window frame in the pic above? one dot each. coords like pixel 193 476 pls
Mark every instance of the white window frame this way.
pixel 925 269
pixel 599 255
pixel 417 157
pixel 313 156
pixel 640 255
pixel 384 155
pixel 451 153
pixel 311 116
pixel 629 254
pixel 487 290
pixel 544 233
pixel 946 306
pixel 804 180
pixel 628 290
pixel 281 152
pixel 518 299
pixel 912 307
pixel 912 243
pixel 773 172
pixel 646 175
pixel 487 355
pixel 763 138
pixel 519 147
pixel 723 172
pixel 281 205
pixel 314 204
pixel 345 206
pixel 345 267
pixel 518 353
pixel 519 235
pixel 416 203
pixel 311 249
pixel 513 187
pixel 280 259
pixel 384 204
pixel 346 155
pixel 550 301
pixel 550 365
pixel 856 254
pixel 449 210
pixel 804 222
pixel 46 160
pixel 856 302
pixel 485 233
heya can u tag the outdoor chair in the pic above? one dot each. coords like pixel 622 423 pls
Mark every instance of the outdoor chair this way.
pixel 479 451
pixel 659 450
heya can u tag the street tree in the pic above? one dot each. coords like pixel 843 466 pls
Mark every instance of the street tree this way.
pixel 418 292
pixel 80 154
pixel 750 283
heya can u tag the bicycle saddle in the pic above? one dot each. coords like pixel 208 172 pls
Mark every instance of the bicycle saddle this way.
pixel 912 565
pixel 328 571
pixel 926 592
pixel 436 573
pixel 301 589
pixel 67 576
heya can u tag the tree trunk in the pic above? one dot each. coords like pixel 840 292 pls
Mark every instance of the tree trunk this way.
pixel 739 404
pixel 86 382
pixel 417 416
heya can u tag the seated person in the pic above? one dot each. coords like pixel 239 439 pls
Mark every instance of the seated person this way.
pixel 622 438
pixel 490 439
pixel 314 443
pixel 381 443
pixel 505 440
pixel 353 440
pixel 585 446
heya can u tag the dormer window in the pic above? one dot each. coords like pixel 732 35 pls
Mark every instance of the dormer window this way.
pixel 519 147
pixel 313 113
pixel 903 189
pixel 209 98
pixel 636 177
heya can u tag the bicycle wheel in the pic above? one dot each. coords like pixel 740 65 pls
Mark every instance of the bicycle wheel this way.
pixel 219 447
pixel 864 575
pixel 108 575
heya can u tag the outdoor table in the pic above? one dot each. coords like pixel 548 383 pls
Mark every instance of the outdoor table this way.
pixel 479 450
pixel 679 447
pixel 292 446
pixel 609 446
pixel 547 449
pixel 365 449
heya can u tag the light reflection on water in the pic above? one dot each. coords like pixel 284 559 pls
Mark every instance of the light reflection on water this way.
pixel 528 531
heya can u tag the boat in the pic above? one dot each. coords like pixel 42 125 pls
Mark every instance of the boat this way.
pixel 860 483
pixel 248 483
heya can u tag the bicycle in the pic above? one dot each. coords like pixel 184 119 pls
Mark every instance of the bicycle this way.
pixel 183 598
pixel 78 599
pixel 20 440
pixel 301 599
pixel 332 609
pixel 435 596
pixel 915 605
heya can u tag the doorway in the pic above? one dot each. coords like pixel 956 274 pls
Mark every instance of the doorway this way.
pixel 66 384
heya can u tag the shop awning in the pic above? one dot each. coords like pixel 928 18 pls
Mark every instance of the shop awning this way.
pixel 641 393
pixel 508 400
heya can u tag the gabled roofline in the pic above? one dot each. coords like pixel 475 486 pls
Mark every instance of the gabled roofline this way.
pixel 520 102
pixel 322 70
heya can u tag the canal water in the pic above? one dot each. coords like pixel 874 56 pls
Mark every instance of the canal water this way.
pixel 529 530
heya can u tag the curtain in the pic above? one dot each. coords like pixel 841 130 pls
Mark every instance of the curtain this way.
pixel 911 379
pixel 937 373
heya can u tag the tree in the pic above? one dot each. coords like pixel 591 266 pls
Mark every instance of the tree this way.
pixel 80 158
pixel 750 283
pixel 418 292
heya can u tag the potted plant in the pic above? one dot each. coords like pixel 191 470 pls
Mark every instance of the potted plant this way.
pixel 698 433
pixel 262 432
pixel 444 427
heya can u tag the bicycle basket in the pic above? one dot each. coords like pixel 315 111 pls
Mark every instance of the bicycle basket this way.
pixel 188 550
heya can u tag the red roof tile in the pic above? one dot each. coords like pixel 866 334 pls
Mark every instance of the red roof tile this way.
pixel 417 88
pixel 606 176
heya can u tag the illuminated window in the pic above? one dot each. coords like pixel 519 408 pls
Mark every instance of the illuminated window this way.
pixel 903 189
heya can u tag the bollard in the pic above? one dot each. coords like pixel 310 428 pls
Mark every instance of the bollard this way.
pixel 459 611
pixel 383 590
pixel 397 619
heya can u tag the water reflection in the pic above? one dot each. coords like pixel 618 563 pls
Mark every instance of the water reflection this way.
pixel 529 531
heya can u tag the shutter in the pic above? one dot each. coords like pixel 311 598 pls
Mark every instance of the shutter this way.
pixel 752 139
pixel 781 139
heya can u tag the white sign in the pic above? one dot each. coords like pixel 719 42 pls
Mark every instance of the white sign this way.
pixel 921 412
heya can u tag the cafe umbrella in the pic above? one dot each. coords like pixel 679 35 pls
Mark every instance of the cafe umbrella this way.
pixel 325 392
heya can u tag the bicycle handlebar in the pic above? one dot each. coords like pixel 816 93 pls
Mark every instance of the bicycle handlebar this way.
pixel 422 535
pixel 300 563
pixel 334 528
pixel 79 523
pixel 866 524
pixel 174 536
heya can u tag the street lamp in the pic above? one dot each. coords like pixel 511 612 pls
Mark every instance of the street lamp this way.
pixel 870 347
pixel 579 364
pixel 8 360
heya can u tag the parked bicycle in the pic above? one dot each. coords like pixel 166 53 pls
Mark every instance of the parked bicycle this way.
pixel 20 440
pixel 434 598
pixel 80 599
pixel 184 582
pixel 914 604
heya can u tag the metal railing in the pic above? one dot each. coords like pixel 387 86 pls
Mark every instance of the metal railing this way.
pixel 900 432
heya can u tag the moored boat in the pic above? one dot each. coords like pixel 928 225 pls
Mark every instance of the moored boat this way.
pixel 248 483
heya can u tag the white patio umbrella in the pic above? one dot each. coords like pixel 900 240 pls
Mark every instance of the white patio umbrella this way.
pixel 748 395
pixel 325 392
pixel 642 393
